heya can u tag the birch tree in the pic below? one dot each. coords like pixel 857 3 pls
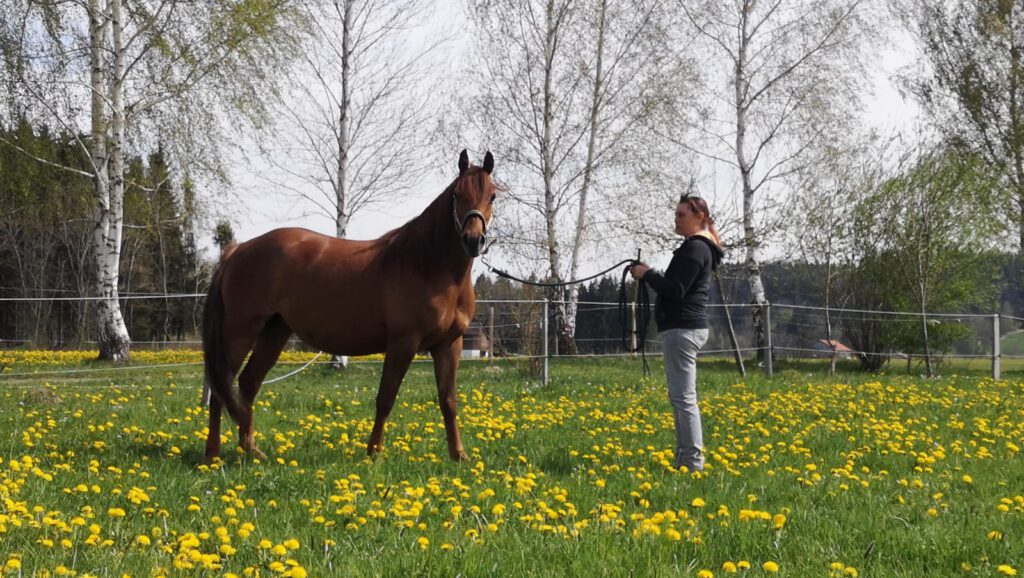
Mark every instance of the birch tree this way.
pixel 566 87
pixel 355 121
pixel 356 117
pixel 98 69
pixel 791 74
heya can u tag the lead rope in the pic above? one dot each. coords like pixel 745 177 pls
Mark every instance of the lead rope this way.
pixel 633 317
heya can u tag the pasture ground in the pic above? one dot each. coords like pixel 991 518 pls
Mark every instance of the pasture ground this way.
pixel 855 475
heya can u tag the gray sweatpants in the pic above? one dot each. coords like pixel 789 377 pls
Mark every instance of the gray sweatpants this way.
pixel 680 347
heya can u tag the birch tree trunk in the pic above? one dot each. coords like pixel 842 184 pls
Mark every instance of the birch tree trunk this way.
pixel 104 24
pixel 924 334
pixel 342 215
pixel 753 266
pixel 345 104
pixel 567 337
pixel 551 38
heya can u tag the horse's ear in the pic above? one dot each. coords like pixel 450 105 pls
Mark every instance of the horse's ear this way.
pixel 463 161
pixel 488 162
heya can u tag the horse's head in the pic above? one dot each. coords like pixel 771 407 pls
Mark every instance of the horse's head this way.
pixel 472 199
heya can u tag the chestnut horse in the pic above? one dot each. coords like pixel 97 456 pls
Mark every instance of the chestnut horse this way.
pixel 408 291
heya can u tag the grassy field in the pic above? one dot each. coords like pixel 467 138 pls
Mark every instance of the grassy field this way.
pixel 1013 344
pixel 887 475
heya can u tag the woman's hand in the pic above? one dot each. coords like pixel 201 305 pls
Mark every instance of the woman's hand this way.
pixel 639 270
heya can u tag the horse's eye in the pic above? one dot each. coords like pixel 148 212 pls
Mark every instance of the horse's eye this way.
pixel 493 197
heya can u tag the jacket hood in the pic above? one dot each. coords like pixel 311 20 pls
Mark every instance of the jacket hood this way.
pixel 716 251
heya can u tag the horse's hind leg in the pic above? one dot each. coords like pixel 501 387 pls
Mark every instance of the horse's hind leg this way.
pixel 236 348
pixel 213 431
pixel 396 364
pixel 269 344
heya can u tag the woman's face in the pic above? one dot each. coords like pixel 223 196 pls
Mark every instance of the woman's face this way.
pixel 688 222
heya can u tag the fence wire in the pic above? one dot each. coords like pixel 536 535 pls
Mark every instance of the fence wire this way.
pixel 521 332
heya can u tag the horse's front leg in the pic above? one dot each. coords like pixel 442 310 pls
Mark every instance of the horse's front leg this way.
pixel 446 365
pixel 396 364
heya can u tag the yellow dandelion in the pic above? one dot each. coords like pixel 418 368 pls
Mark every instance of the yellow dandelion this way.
pixel 1006 570
pixel 770 566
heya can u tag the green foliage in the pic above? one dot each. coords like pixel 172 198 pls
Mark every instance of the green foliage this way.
pixel 223 234
pixel 928 238
pixel 46 238
pixel 974 88
pixel 44 234
pixel 160 254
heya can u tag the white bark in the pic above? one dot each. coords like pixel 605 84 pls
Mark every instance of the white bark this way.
pixel 750 239
pixel 105 35
pixel 567 86
pixel 354 122
pixel 345 107
pixel 794 69
pixel 568 329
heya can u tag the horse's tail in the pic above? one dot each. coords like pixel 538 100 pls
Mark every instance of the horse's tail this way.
pixel 219 377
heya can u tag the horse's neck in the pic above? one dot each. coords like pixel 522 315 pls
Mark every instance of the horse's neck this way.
pixel 431 242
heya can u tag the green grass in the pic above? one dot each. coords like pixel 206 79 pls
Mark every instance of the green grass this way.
pixel 891 475
pixel 1012 344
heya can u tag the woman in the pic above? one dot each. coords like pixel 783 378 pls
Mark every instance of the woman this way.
pixel 680 311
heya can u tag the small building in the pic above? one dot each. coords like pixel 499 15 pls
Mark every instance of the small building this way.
pixel 823 348
pixel 475 343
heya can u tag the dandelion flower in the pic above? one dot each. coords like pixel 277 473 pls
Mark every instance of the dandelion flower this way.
pixel 770 566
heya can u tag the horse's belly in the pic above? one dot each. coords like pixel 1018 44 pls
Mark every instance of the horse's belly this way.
pixel 351 331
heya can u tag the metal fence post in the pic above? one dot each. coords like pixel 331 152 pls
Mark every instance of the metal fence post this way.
pixel 545 341
pixel 995 347
pixel 768 340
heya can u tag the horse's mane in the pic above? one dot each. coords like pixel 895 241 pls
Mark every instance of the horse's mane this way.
pixel 420 242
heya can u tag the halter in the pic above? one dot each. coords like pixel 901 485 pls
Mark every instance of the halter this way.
pixel 460 224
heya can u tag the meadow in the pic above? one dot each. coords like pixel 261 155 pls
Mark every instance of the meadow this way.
pixel 101 474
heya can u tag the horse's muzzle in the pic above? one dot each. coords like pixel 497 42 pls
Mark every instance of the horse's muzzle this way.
pixel 473 244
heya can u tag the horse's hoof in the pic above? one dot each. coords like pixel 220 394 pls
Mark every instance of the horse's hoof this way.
pixel 460 456
pixel 258 454
pixel 373 451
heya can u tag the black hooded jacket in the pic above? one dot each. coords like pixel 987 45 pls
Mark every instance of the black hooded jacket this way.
pixel 683 289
